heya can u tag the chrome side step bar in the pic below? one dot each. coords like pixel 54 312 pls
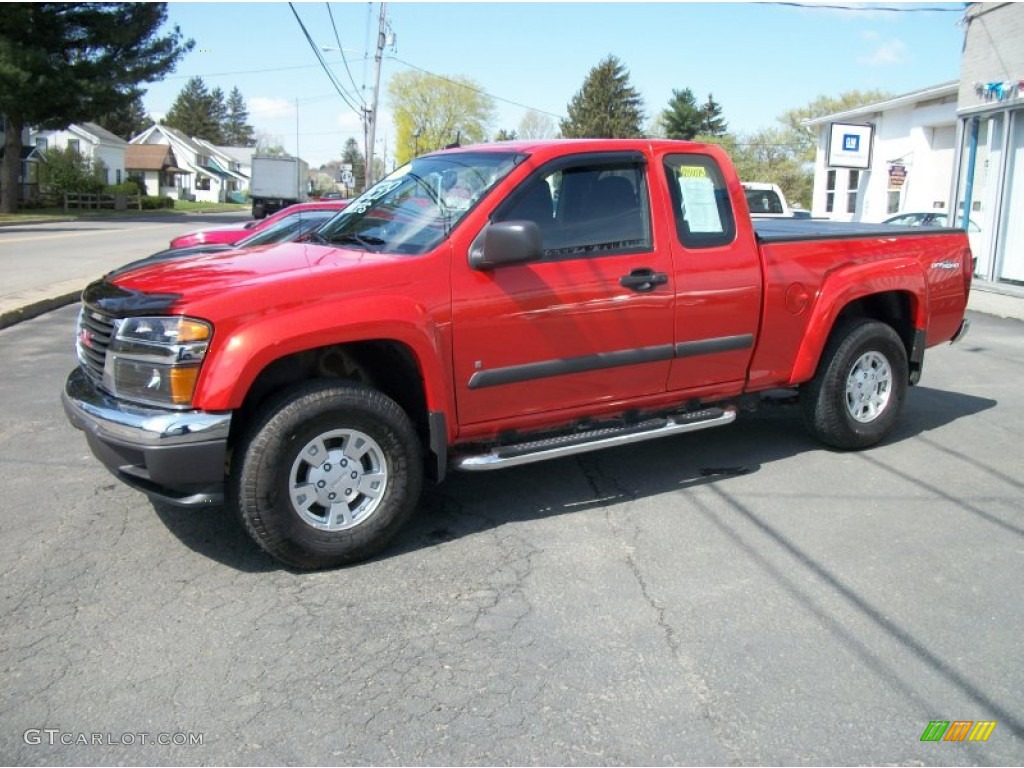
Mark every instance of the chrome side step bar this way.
pixel 593 440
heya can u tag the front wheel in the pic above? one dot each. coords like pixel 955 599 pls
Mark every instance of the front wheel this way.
pixel 857 393
pixel 329 474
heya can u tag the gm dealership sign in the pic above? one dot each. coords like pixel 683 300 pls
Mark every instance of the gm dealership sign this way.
pixel 849 145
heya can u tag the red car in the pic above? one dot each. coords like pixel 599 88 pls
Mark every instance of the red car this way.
pixel 233 234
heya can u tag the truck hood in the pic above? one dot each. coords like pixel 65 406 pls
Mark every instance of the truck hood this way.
pixel 196 277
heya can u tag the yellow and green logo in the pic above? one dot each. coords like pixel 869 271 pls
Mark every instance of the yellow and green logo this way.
pixel 958 730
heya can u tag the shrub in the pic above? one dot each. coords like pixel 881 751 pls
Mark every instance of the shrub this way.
pixel 152 203
pixel 125 188
pixel 65 170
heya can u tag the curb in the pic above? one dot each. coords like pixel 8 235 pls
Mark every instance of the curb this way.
pixel 15 316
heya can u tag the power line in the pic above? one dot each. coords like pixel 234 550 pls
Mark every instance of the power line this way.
pixel 337 37
pixel 349 100
pixel 477 90
pixel 889 8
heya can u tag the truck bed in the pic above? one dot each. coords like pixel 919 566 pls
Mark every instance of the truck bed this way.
pixel 789 230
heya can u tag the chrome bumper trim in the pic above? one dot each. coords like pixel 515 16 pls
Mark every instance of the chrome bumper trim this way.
pixel 92 410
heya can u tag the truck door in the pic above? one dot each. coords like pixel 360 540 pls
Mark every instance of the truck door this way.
pixel 718 279
pixel 589 323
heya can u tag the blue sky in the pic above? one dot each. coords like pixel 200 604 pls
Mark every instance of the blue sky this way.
pixel 758 59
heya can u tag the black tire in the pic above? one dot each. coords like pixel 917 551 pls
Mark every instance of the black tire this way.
pixel 258 211
pixel 858 391
pixel 280 492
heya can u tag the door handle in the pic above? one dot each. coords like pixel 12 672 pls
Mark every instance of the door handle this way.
pixel 643 280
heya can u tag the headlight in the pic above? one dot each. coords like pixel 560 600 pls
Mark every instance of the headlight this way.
pixel 156 360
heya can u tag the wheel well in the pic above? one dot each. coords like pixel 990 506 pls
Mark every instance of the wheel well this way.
pixel 893 308
pixel 387 366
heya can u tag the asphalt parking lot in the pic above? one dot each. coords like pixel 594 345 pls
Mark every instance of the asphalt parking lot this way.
pixel 739 596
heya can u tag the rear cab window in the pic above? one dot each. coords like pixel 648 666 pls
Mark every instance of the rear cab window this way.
pixel 700 201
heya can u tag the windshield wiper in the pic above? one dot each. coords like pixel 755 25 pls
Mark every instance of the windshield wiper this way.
pixel 367 241
pixel 316 237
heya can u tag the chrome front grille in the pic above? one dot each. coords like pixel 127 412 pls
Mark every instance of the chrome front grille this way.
pixel 95 330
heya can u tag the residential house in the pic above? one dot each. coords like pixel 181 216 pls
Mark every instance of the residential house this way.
pixel 155 169
pixel 28 170
pixel 206 173
pixel 90 140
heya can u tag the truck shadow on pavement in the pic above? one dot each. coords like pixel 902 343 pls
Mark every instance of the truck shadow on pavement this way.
pixel 467 504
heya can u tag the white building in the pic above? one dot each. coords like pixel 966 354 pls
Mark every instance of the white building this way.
pixel 908 165
pixel 207 173
pixel 990 146
pixel 89 140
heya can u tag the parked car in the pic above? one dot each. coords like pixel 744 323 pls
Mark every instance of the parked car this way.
pixel 233 234
pixel 927 219
pixel 936 219
pixel 289 229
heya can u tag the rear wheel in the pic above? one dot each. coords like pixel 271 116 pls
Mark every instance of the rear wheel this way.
pixel 859 389
pixel 258 211
pixel 329 474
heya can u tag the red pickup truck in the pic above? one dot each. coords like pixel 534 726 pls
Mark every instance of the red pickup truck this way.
pixel 490 306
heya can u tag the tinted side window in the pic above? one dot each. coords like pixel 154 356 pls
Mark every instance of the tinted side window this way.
pixel 700 201
pixel 590 209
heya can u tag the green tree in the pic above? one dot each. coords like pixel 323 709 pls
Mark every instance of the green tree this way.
pixel 431 112
pixel 534 125
pixel 503 135
pixel 606 106
pixel 127 121
pixel 783 154
pixel 806 139
pixel 195 112
pixel 62 63
pixel 267 144
pixel 65 170
pixel 683 119
pixel 353 156
pixel 237 130
pixel 711 121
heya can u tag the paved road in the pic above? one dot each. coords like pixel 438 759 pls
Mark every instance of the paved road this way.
pixel 740 596
pixel 42 261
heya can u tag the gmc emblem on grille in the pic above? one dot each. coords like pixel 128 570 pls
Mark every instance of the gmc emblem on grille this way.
pixel 85 338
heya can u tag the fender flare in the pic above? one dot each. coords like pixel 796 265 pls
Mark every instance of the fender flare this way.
pixel 848 284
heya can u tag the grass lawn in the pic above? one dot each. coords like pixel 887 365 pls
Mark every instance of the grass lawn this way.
pixel 42 215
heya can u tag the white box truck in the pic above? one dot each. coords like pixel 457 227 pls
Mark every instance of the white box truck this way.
pixel 276 183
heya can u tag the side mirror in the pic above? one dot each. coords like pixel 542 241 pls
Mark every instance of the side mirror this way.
pixel 505 243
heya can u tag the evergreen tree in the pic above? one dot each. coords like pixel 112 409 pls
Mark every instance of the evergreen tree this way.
pixel 195 112
pixel 504 135
pixel 354 157
pixel 237 130
pixel 62 63
pixel 607 106
pixel 219 113
pixel 127 121
pixel 683 119
pixel 711 121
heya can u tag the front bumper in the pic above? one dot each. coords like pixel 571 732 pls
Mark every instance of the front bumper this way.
pixel 175 456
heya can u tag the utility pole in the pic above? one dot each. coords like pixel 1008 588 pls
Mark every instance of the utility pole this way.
pixel 372 112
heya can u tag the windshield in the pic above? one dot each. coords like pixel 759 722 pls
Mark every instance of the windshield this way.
pixel 418 205
pixel 288 229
